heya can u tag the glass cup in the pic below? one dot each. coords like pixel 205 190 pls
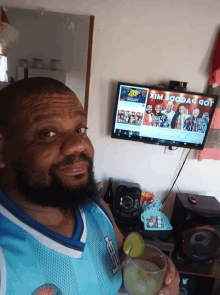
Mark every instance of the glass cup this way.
pixel 54 64
pixel 38 63
pixel 145 274
pixel 24 63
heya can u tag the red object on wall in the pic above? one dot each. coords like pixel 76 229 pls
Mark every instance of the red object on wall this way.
pixel 215 67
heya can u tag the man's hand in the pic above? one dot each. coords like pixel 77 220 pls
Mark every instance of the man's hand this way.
pixel 171 280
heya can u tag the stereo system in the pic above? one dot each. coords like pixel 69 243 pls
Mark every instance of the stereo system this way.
pixel 196 228
pixel 195 221
pixel 126 209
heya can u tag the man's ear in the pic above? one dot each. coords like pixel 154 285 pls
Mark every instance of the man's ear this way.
pixel 2 145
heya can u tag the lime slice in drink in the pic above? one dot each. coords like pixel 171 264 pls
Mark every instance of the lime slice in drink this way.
pixel 134 245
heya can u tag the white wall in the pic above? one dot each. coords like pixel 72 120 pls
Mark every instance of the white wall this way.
pixel 47 36
pixel 146 42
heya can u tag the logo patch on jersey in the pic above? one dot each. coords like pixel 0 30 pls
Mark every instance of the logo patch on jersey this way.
pixel 113 255
pixel 47 289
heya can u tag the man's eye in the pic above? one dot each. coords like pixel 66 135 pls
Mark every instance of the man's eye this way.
pixel 82 129
pixel 48 134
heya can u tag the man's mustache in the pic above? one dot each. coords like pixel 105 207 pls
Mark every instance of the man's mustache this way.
pixel 71 159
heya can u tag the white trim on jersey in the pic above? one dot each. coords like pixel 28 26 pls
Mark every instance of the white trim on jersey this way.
pixel 44 240
pixel 100 209
pixel 2 273
pixel 84 235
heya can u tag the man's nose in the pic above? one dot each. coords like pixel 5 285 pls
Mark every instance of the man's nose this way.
pixel 74 143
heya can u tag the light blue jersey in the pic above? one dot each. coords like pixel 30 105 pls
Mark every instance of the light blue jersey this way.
pixel 35 260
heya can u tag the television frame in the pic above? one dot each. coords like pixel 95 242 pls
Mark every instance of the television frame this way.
pixel 148 140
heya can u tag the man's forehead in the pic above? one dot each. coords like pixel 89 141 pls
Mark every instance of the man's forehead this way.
pixel 53 115
pixel 50 105
pixel 46 98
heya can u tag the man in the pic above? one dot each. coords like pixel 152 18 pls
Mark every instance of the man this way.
pixel 148 116
pixel 204 121
pixel 192 123
pixel 123 119
pixel 160 119
pixel 57 237
pixel 132 120
pixel 138 120
pixel 119 118
pixel 169 112
pixel 126 119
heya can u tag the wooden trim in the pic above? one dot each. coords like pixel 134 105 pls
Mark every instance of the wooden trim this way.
pixel 88 72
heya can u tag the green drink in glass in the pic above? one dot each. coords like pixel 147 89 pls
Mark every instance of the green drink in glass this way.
pixel 145 274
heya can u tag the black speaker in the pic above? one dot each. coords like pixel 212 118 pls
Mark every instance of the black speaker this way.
pixel 196 228
pixel 126 209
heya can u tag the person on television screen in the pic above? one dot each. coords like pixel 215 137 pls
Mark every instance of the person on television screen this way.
pixel 160 119
pixel 169 112
pixel 118 119
pixel 126 118
pixel 139 120
pixel 148 116
pixel 124 94
pixel 204 121
pixel 136 122
pixel 180 116
pixel 132 120
pixel 122 119
pixel 192 123
pixel 57 234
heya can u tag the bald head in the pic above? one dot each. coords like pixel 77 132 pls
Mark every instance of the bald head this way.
pixel 158 109
pixel 16 95
pixel 169 106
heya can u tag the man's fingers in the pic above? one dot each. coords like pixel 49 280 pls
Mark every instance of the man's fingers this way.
pixel 172 288
pixel 170 271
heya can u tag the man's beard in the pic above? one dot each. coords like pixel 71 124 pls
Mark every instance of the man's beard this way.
pixel 56 194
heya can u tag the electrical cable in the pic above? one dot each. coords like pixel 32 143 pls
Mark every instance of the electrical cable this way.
pixel 178 188
pixel 176 177
pixel 170 148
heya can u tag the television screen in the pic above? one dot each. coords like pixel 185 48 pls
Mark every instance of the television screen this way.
pixel 164 117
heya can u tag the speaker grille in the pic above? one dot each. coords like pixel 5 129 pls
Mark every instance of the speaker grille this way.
pixel 201 243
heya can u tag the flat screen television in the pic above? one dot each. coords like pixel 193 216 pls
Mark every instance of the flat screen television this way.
pixel 161 116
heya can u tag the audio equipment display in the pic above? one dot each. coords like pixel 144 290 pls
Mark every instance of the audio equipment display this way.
pixel 187 285
pixel 196 228
pixel 126 208
pixel 195 285
pixel 161 116
pixel 126 211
